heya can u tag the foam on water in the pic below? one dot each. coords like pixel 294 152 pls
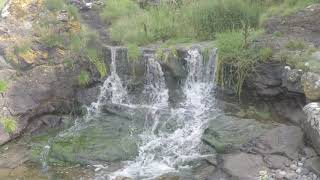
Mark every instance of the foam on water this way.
pixel 164 150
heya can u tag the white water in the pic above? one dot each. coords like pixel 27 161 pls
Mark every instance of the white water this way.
pixel 165 151
pixel 112 89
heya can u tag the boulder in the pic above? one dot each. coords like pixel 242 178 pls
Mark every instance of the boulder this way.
pixel 43 90
pixel 291 80
pixel 284 139
pixel 311 125
pixel 226 133
pixel 244 166
pixel 311 85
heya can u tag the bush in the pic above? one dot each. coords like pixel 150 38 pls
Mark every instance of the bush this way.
pixel 83 78
pixel 9 124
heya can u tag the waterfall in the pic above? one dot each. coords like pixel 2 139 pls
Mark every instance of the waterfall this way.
pixel 112 89
pixel 171 149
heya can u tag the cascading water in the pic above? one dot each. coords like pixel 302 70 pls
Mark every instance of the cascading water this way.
pixel 112 89
pixel 176 142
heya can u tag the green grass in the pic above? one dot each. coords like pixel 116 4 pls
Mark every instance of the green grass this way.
pixel 83 78
pixel 235 58
pixel 3 86
pixel 9 124
pixel 285 7
pixel 265 54
pixel 96 58
pixel 295 45
pixel 134 52
pixel 54 5
pixel 118 8
pixel 196 20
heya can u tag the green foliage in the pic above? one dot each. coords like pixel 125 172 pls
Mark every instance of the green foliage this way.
pixel 265 54
pixel 212 16
pixel 235 59
pixel 195 20
pixel 83 78
pixel 2 2
pixel 134 52
pixel 285 7
pixel 119 8
pixel 3 86
pixel 54 5
pixel 277 34
pixel 294 45
pixel 96 58
pixel 73 12
pixel 52 40
pixel 23 48
pixel 9 124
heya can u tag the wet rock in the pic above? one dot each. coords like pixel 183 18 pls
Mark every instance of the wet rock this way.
pixel 284 139
pixel 226 133
pixel 103 138
pixel 243 166
pixel 266 80
pixel 43 123
pixel 88 95
pixel 311 85
pixel 311 124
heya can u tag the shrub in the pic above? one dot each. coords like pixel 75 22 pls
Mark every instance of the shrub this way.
pixel 83 78
pixel 9 124
pixel 3 86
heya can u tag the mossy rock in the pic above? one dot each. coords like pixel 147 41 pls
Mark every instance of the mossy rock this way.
pixel 106 138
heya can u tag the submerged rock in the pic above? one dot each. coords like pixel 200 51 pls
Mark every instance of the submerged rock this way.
pixel 104 138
